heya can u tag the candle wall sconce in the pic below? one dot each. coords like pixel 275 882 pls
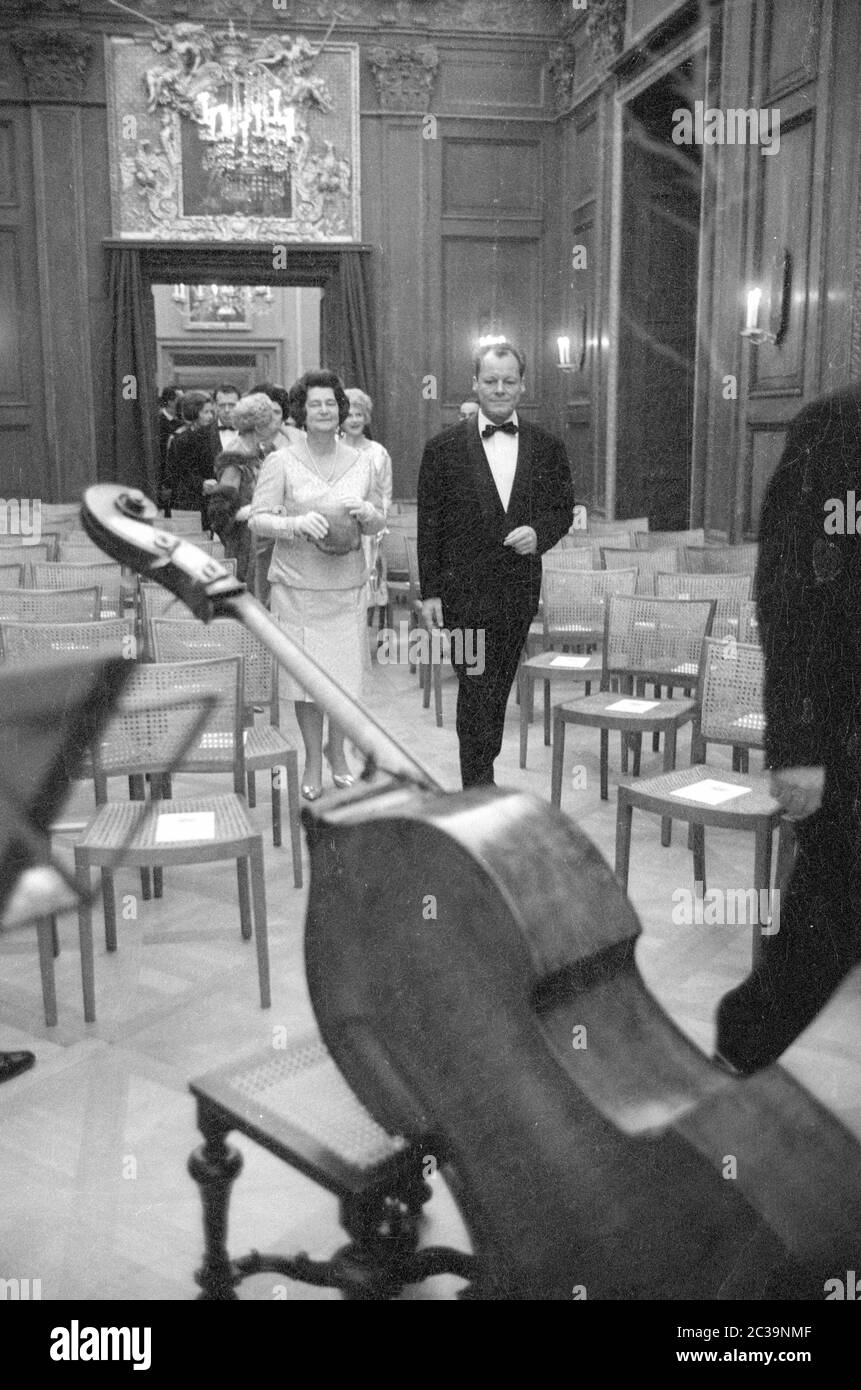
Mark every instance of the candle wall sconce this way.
pixel 779 301
pixel 573 359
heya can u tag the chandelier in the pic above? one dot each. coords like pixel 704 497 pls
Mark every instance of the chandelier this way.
pixel 249 137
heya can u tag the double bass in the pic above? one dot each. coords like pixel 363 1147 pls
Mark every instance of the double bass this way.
pixel 470 960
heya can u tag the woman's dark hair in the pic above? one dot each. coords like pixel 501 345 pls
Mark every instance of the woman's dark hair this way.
pixel 168 395
pixel 299 395
pixel 192 404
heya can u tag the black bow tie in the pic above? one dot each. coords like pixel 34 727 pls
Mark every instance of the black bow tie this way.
pixel 508 428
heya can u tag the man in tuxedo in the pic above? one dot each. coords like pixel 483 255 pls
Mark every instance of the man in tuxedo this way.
pixel 224 436
pixel 808 591
pixel 494 493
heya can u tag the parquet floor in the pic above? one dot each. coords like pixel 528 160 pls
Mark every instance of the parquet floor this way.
pixel 95 1200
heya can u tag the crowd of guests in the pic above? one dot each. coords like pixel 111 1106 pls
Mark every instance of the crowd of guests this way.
pixel 298 493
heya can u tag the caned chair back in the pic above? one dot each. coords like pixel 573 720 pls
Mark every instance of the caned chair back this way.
pixel 748 623
pixel 26 555
pixel 729 591
pixel 68 575
pixel 600 527
pixel 11 576
pixel 80 552
pixel 567 559
pixel 188 639
pixel 144 733
pixel 657 639
pixel 647 562
pixel 656 540
pixel 61 516
pixel 412 548
pixel 722 559
pixel 182 523
pixel 34 642
pixel 51 605
pixel 15 542
pixel 732 677
pixel 393 544
pixel 575 600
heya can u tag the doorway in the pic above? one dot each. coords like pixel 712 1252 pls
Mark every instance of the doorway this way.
pixel 658 300
pixel 241 334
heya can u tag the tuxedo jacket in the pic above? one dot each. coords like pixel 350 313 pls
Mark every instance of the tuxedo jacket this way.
pixel 808 592
pixel 190 459
pixel 462 523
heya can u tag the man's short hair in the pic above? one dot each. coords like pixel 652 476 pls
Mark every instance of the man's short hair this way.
pixel 498 350
pixel 226 388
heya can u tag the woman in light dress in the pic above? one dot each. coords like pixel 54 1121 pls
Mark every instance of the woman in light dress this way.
pixel 314 497
pixel 359 418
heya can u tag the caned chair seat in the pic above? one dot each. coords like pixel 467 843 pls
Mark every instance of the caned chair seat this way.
pixel 120 830
pixel 176 637
pixel 645 639
pixel 755 810
pixel 51 605
pixel 548 667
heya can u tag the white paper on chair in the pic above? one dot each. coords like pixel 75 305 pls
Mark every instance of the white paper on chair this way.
pixel 710 791
pixel 575 663
pixel 185 825
pixel 633 706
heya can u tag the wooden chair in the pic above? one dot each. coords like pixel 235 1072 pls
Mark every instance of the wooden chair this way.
pixel 11 576
pixel 748 623
pixel 66 575
pixel 26 555
pixel 647 563
pixel 187 639
pixel 729 712
pixel 567 558
pixel 573 606
pixel 657 640
pixel 27 640
pixel 61 516
pixel 722 559
pixel 657 540
pixel 48 539
pixel 729 591
pixel 598 526
pixel 164 706
pixel 50 605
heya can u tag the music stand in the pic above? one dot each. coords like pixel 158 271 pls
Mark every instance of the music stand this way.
pixel 49 716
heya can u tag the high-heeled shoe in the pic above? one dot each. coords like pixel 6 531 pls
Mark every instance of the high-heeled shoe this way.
pixel 310 792
pixel 342 780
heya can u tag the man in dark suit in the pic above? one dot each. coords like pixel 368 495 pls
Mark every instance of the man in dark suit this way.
pixel 808 591
pixel 494 493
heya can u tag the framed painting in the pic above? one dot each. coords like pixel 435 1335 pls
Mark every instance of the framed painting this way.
pixel 218 135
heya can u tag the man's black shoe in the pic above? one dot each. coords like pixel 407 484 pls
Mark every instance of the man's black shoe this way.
pixel 13 1063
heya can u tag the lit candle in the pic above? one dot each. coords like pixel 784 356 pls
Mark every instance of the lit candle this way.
pixel 564 345
pixel 753 301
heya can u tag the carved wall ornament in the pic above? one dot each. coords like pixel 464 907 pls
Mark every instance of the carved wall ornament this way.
pixel 484 16
pixel 404 77
pixel 55 62
pixel 605 26
pixel 561 70
pixel 222 135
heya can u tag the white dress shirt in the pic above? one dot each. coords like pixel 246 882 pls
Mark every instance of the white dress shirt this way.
pixel 500 450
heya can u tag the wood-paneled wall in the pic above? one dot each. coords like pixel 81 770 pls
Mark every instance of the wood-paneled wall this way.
pixel 801 201
pixel 455 209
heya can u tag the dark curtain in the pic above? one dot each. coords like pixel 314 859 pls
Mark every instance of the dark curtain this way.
pixel 133 399
pixel 347 331
pixel 347 339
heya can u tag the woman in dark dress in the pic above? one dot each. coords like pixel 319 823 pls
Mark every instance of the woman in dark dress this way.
pixel 190 456
pixel 169 422
pixel 236 472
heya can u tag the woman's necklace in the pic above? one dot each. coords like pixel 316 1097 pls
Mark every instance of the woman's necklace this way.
pixel 320 474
